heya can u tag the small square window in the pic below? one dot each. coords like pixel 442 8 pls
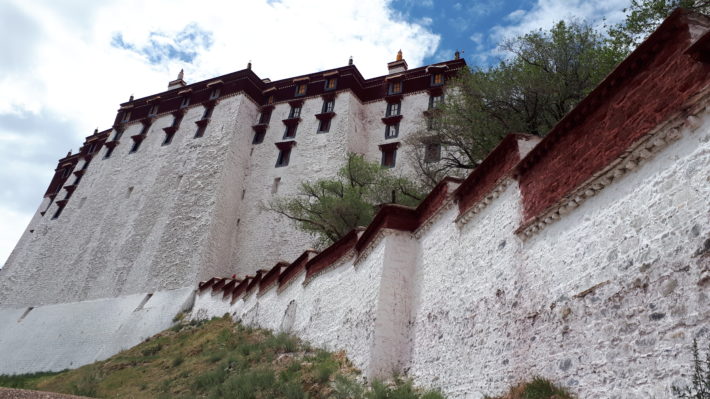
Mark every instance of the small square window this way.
pixel 214 93
pixel 118 135
pixel 392 131
pixel 324 126
pixel 208 113
pixel 258 137
pixel 144 130
pixel 185 102
pixel 126 116
pixel 200 130
pixel 295 112
pixel 395 88
pixel 265 117
pixel 437 79
pixel 66 172
pixel 432 152
pixel 331 83
pixel 60 208
pixel 284 156
pixel 389 157
pixel 92 148
pixel 153 110
pixel 270 100
pixel 328 106
pixel 435 101
pixel 394 109
pixel 109 151
pixel 301 89
pixel 168 138
pixel 136 145
pixel 177 119
pixel 290 131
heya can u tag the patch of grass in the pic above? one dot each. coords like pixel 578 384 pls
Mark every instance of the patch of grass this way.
pixel 215 359
pixel 538 388
pixel 26 381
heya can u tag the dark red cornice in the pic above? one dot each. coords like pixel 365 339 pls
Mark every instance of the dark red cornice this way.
pixel 295 268
pixel 271 276
pixel 332 253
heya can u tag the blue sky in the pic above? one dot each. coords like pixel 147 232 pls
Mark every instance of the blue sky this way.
pixel 66 66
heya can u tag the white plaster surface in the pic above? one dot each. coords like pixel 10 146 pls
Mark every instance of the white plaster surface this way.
pixel 70 335
pixel 605 301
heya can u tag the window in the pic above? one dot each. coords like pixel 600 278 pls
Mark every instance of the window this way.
pixel 118 135
pixel 60 208
pixel 208 113
pixel 435 101
pixel 185 102
pixel 136 145
pixel 295 112
pixel 391 131
pixel 275 185
pixel 168 137
pixel 389 156
pixel 301 89
pixel 324 126
pixel 258 137
pixel 109 150
pixel 270 100
pixel 265 117
pixel 284 155
pixel 153 110
pixel 200 130
pixel 393 109
pixel 331 83
pixel 437 79
pixel 92 148
pixel 328 106
pixel 66 172
pixel 126 116
pixel 145 128
pixel 290 131
pixel 214 93
pixel 395 88
pixel 432 152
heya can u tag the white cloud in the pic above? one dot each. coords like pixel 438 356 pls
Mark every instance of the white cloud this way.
pixel 546 12
pixel 60 75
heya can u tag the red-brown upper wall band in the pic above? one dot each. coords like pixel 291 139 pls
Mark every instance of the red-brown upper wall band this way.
pixel 498 164
pixel 647 88
pixel 349 77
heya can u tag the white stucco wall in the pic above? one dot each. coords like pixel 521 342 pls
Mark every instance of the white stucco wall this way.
pixel 605 301
pixel 175 227
pixel 70 335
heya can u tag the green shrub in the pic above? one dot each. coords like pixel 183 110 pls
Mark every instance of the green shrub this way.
pixel 23 380
pixel 699 387
pixel 540 388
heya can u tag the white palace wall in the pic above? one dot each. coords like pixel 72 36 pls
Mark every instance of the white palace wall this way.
pixel 605 301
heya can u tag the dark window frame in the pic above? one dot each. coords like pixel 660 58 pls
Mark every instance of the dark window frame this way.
pixel 394 106
pixel 328 86
pixel 284 157
pixel 388 130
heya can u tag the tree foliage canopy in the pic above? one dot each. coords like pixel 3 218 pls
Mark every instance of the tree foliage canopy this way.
pixel 547 74
pixel 330 208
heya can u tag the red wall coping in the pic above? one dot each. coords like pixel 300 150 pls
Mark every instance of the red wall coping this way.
pixel 497 165
pixel 271 276
pixel 647 88
pixel 296 267
pixel 332 253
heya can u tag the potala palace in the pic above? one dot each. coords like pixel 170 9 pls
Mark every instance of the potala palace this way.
pixel 583 257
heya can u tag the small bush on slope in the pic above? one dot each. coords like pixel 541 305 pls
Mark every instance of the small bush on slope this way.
pixel 538 388
pixel 217 359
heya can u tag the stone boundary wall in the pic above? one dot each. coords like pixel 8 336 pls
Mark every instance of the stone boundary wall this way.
pixel 593 272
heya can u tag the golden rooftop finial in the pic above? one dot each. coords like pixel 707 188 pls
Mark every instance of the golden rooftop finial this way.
pixel 399 55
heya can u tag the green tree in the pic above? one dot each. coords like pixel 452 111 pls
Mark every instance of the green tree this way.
pixel 547 73
pixel 644 16
pixel 330 208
